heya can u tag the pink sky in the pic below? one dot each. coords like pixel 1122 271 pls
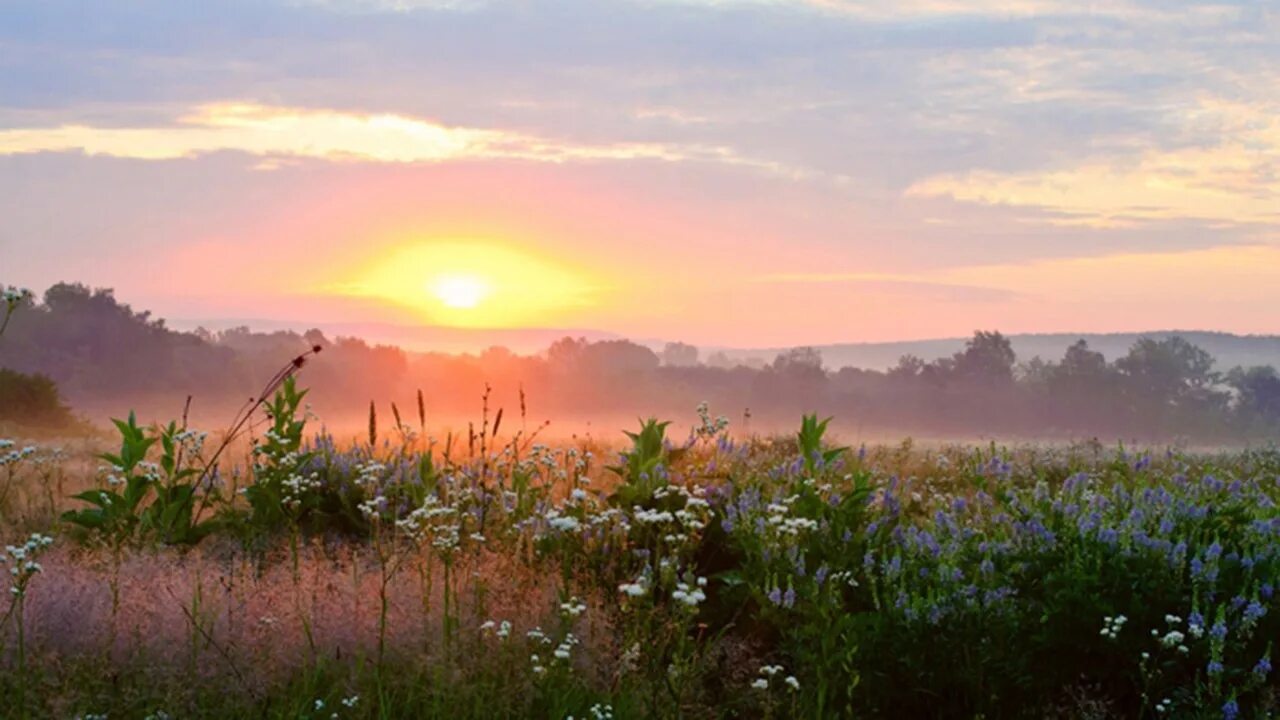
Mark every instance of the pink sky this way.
pixel 853 173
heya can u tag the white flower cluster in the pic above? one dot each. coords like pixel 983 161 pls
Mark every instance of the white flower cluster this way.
pixel 13 457
pixel 573 608
pixel 191 440
pixel 563 650
pixel 297 485
pixel 767 673
pixel 844 576
pixel 371 508
pixel 369 473
pixel 436 521
pixel 1111 626
pixel 13 296
pixel 550 464
pixel 690 593
pixel 637 588
pixel 708 428
pixel 1171 639
pixel 24 562
pixel 785 525
pixel 599 711
pixel 653 517
pixel 349 703
pixel 685 520
pixel 502 630
pixel 563 523
pixel 1174 638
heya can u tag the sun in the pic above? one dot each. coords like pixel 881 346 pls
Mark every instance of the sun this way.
pixel 475 283
pixel 460 292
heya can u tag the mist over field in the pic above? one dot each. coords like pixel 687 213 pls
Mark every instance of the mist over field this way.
pixel 107 359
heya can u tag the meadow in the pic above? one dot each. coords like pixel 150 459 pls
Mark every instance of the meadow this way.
pixel 274 571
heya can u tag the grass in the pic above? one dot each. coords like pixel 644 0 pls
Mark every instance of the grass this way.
pixel 487 575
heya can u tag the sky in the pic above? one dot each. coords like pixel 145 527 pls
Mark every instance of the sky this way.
pixel 729 172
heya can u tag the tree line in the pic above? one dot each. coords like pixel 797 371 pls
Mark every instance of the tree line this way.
pixel 103 355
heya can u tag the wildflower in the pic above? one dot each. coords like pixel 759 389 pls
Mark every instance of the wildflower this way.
pixel 633 589
pixel 690 596
pixel 1263 668
pixel 792 682
pixel 1230 710
pixel 1111 626
pixel 573 608
pixel 1254 612
pixel 760 684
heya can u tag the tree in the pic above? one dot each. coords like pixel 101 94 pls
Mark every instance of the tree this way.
pixel 1171 379
pixel 564 353
pixel 801 363
pixel 1081 362
pixel 1257 392
pixel 908 369
pixel 617 357
pixel 315 338
pixel 678 354
pixel 987 359
pixel 1167 372
pixel 720 360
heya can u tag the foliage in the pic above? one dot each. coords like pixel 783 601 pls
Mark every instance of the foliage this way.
pixel 729 577
pixel 809 442
pixel 27 399
pixel 642 466
pixel 32 400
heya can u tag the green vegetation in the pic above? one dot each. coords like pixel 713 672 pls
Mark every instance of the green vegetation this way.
pixel 710 577
pixel 30 399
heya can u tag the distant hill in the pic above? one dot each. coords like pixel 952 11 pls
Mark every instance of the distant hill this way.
pixel 1229 350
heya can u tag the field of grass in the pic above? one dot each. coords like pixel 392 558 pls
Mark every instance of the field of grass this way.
pixel 289 575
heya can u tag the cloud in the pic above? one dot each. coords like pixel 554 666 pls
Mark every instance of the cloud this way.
pixel 1235 180
pixel 336 136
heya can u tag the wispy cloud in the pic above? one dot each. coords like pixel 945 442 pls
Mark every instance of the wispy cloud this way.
pixel 334 135
pixel 1236 180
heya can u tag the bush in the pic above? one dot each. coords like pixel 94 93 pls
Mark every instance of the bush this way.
pixel 31 400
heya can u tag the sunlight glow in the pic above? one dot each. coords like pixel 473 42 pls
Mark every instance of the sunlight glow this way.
pixel 473 283
pixel 459 291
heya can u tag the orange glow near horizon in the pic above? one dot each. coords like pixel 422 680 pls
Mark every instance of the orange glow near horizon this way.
pixel 475 283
